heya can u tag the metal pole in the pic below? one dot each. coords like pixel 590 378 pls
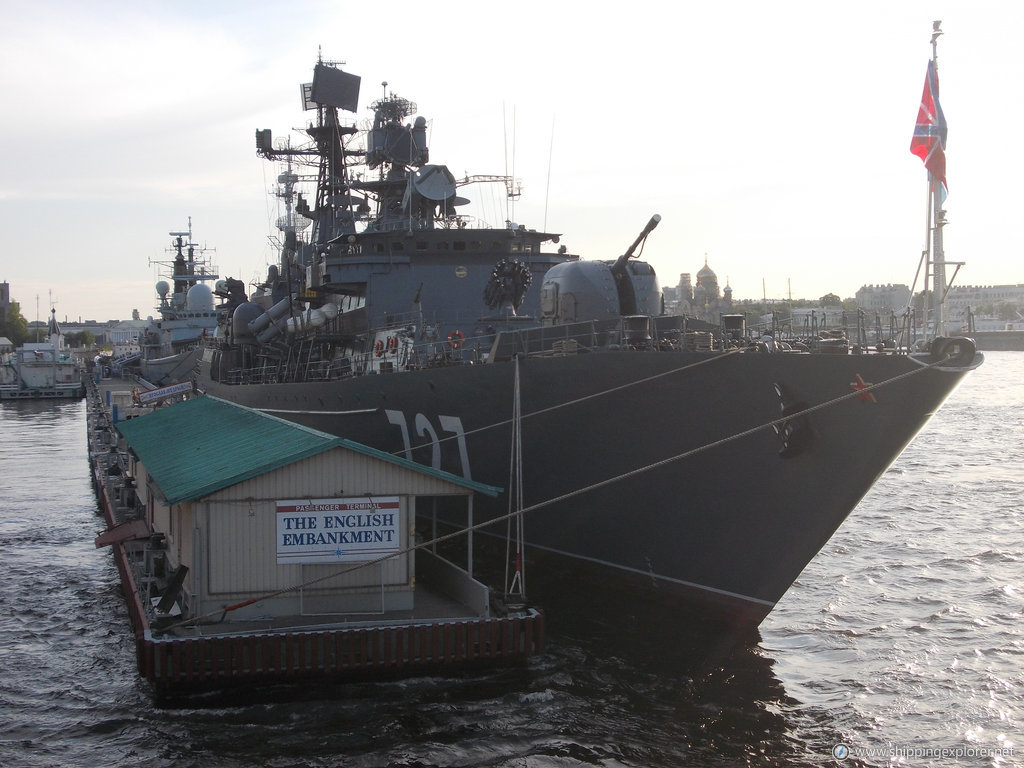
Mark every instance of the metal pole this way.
pixel 937 220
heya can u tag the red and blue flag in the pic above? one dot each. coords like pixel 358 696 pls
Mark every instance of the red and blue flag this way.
pixel 929 142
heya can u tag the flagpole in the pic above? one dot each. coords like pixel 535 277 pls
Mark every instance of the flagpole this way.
pixel 936 220
pixel 928 306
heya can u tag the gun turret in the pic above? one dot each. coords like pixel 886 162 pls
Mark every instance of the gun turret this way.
pixel 623 282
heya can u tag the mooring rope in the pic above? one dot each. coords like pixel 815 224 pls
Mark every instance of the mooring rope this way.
pixel 584 398
pixel 222 612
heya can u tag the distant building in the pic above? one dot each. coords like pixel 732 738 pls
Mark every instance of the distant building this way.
pixel 883 299
pixel 126 331
pixel 974 296
pixel 5 301
pixel 110 332
pixel 703 299
pixel 685 288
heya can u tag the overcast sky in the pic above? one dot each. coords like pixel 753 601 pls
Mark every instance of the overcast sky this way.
pixel 773 138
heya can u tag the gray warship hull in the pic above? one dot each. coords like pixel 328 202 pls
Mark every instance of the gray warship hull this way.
pixel 708 480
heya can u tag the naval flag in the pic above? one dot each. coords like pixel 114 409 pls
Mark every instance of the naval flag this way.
pixel 929 142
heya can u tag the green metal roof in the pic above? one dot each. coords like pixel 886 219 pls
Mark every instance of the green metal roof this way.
pixel 205 444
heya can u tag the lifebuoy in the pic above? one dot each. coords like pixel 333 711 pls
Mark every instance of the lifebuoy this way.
pixel 455 339
pixel 392 344
pixel 378 347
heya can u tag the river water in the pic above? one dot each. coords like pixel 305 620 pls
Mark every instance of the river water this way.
pixel 902 643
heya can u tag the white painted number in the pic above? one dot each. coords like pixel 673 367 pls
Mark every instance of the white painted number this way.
pixel 425 428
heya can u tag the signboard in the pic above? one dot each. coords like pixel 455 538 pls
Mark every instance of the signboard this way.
pixel 154 395
pixel 337 530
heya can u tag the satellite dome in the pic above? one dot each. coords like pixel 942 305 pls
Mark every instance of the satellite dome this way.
pixel 199 298
pixel 162 289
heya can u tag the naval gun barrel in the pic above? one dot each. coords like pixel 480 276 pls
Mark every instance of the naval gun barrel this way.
pixel 621 261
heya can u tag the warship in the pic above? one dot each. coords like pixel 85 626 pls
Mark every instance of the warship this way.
pixel 168 348
pixel 688 463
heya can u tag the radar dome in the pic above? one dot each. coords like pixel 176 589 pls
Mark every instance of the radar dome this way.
pixel 162 289
pixel 199 298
